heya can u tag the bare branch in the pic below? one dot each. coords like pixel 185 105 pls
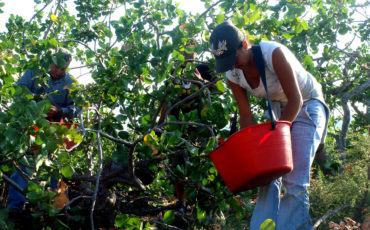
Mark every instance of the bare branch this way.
pixel 131 169
pixel 188 123
pixel 12 159
pixel 361 114
pixel 160 107
pixel 83 129
pixel 347 85
pixel 157 32
pixel 80 67
pixel 52 22
pixel 21 173
pixel 324 217
pixel 85 45
pixel 37 13
pixel 100 166
pixel 167 226
pixel 191 96
pixel 173 134
pixel 77 198
pixel 12 183
pixel 205 12
pixel 117 140
pixel 338 140
pixel 346 116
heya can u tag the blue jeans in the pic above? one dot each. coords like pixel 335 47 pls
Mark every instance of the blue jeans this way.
pixel 16 199
pixel 291 212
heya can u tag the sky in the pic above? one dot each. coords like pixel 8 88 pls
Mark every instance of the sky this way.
pixel 27 11
pixel 25 8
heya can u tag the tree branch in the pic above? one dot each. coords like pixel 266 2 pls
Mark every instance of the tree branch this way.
pixel 99 172
pixel 361 114
pixel 188 123
pixel 191 96
pixel 12 159
pixel 157 32
pixel 324 217
pixel 29 22
pixel 52 22
pixel 117 140
pixel 131 169
pixel 338 140
pixel 12 183
pixel 21 173
pixel 347 85
pixel 81 43
pixel 346 116
pixel 205 12
pixel 77 198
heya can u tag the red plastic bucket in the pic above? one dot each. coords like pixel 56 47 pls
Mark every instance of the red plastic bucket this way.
pixel 254 156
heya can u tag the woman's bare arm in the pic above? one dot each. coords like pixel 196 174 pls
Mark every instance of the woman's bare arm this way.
pixel 289 83
pixel 246 117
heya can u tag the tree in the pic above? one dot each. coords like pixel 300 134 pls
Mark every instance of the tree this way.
pixel 130 59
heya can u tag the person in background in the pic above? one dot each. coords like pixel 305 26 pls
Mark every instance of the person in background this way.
pixel 297 98
pixel 62 107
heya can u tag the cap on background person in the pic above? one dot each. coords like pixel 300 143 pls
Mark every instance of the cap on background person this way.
pixel 225 40
pixel 61 58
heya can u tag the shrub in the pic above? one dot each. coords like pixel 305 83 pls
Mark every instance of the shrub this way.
pixel 345 187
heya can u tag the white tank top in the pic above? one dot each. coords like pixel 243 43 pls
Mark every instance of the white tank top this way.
pixel 308 85
pixel 310 88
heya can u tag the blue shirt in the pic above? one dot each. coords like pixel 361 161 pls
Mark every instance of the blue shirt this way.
pixel 57 91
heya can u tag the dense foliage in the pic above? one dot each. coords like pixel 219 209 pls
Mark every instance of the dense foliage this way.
pixel 113 176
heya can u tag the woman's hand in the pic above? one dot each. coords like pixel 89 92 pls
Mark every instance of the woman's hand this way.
pixel 54 112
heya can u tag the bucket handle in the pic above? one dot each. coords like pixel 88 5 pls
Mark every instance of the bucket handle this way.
pixel 257 53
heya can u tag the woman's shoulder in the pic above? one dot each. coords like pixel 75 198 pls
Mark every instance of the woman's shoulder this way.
pixel 269 46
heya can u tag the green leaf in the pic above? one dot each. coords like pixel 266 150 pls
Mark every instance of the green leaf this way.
pixel 201 214
pixel 287 35
pixel 77 138
pixel 146 119
pixel 59 61
pixel 64 158
pixel 8 80
pixel 121 219
pixel 307 61
pixel 67 171
pixel 268 225
pixel 120 118
pixel 90 54
pixel 299 28
pixel 61 223
pixel 254 16
pixel 119 156
pixel 304 24
pixel 169 217
pixel 220 18
pixel 53 43
pixel 210 144
pixel 220 86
